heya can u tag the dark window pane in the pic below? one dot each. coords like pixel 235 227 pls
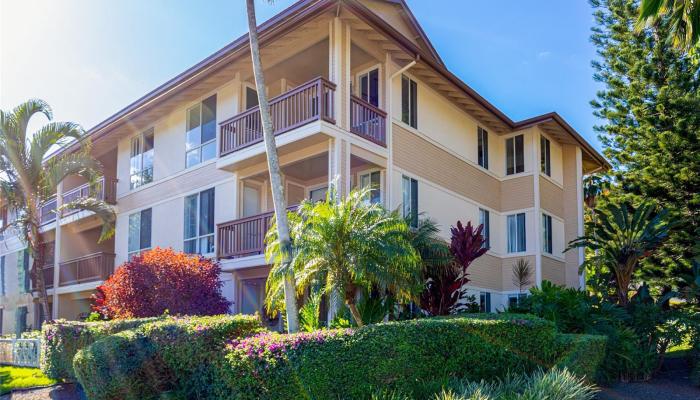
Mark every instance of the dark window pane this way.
pixel 190 246
pixel 519 154
pixel 251 97
pixel 206 212
pixel 374 87
pixel 510 159
pixel 145 234
pixel 521 232
pixel 190 216
pixel 364 89
pixel 405 96
pixel 414 203
pixel 414 104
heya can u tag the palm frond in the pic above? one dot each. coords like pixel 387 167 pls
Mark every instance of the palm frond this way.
pixel 102 210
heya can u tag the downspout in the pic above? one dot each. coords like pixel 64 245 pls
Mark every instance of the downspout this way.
pixel 390 128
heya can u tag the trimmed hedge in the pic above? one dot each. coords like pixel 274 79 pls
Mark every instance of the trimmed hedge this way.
pixel 170 355
pixel 581 354
pixel 62 339
pixel 399 355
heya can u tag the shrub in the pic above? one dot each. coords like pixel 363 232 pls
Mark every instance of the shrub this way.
pixel 554 384
pixel 581 354
pixel 162 280
pixel 397 355
pixel 62 339
pixel 171 355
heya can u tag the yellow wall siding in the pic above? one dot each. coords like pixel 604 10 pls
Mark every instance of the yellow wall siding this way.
pixel 551 197
pixel 517 193
pixel 553 271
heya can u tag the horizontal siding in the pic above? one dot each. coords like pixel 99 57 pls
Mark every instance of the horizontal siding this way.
pixel 485 272
pixel 507 267
pixel 517 193
pixel 165 189
pixel 551 197
pixel 553 271
pixel 422 158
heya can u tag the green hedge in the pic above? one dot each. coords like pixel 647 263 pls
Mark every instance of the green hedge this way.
pixel 581 354
pixel 399 355
pixel 62 339
pixel 171 355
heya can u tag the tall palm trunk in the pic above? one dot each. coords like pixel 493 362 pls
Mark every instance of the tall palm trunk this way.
pixel 275 173
pixel 36 246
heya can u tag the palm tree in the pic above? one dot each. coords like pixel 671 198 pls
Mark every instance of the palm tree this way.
pixel 622 236
pixel 346 246
pixel 273 165
pixel 522 274
pixel 30 175
pixel 683 19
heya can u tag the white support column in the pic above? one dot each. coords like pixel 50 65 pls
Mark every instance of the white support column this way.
pixel 57 253
pixel 339 69
pixel 579 213
pixel 538 211
pixel 388 104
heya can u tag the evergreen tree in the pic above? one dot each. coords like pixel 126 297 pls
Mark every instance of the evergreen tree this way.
pixel 651 108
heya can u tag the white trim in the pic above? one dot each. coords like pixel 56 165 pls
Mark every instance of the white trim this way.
pixel 579 206
pixel 378 67
pixel 538 211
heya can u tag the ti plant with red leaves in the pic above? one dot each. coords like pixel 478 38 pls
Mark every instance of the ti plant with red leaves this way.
pixel 466 245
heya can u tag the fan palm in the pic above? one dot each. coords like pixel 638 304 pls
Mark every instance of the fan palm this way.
pixel 29 176
pixel 273 165
pixel 346 246
pixel 683 19
pixel 622 236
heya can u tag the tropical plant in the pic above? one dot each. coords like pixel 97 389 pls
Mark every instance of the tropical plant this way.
pixel 344 247
pixel 522 274
pixel 466 245
pixel 622 236
pixel 310 313
pixel 683 18
pixel 30 175
pixel 162 281
pixel 278 198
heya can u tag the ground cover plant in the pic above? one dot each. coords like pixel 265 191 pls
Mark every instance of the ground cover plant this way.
pixel 19 377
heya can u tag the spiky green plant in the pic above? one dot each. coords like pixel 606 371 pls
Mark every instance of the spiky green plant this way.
pixel 29 175
pixel 345 246
pixel 522 274
pixel 622 235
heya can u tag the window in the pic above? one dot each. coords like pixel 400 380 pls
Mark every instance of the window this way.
pixel 141 162
pixel 409 101
pixel 2 277
pixel 373 181
pixel 515 159
pixel 485 302
pixel 199 223
pixel 316 195
pixel 515 299
pixel 21 319
pixel 483 147
pixel 251 97
pixel 485 221
pixel 200 139
pixel 139 232
pixel 369 87
pixel 410 200
pixel 516 233
pixel 547 233
pixel 545 158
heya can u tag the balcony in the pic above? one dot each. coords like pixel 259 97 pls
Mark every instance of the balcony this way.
pixel 367 121
pixel 47 211
pixel 89 268
pixel 104 189
pixel 312 101
pixel 244 237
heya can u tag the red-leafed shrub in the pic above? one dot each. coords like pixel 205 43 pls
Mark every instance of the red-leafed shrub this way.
pixel 160 280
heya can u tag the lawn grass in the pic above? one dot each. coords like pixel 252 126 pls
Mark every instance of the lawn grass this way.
pixel 19 377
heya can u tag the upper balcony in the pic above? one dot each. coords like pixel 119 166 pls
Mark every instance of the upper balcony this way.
pixel 104 189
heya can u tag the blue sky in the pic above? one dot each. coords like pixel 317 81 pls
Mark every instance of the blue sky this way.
pixel 90 58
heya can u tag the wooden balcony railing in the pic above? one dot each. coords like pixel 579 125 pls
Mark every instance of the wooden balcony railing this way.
pixel 47 211
pixel 104 189
pixel 367 121
pixel 90 268
pixel 309 102
pixel 244 237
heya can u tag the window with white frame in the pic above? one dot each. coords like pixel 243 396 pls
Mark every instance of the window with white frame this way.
pixel 516 233
pixel 485 220
pixel 483 147
pixel 514 300
pixel 251 97
pixel 200 138
pixel 368 86
pixel 410 200
pixel 545 156
pixel 199 223
pixel 139 232
pixel 141 161
pixel 515 155
pixel 372 180
pixel 547 233
pixel 485 302
pixel 409 101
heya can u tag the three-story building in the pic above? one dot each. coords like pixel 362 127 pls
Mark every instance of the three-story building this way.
pixel 358 96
